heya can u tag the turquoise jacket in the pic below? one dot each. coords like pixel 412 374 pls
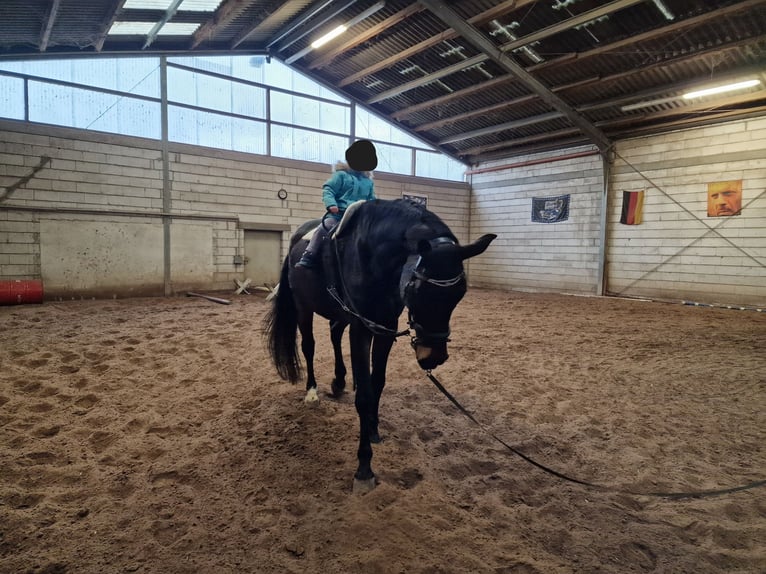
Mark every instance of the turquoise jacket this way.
pixel 345 187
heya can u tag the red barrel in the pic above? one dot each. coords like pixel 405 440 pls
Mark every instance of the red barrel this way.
pixel 19 291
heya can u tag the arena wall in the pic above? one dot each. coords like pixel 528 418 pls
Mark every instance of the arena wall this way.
pixel 678 252
pixel 557 257
pixel 90 223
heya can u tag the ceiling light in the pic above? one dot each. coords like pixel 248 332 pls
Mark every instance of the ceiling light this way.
pixel 648 104
pixel 721 89
pixel 664 9
pixel 334 33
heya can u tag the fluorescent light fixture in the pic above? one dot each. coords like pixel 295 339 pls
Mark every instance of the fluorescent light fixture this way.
pixel 664 9
pixel 334 33
pixel 648 104
pixel 721 89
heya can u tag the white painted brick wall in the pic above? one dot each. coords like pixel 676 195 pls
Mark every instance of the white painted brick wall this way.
pixel 114 174
pixel 561 257
pixel 672 254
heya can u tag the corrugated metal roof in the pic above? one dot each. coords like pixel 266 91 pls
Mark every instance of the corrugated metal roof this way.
pixel 618 66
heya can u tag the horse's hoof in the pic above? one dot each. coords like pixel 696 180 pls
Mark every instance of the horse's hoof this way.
pixel 362 487
pixel 311 398
pixel 375 438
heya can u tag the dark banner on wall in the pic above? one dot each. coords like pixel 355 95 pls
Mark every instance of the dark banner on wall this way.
pixel 632 207
pixel 550 209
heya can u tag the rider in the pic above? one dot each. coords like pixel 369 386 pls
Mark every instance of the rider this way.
pixel 351 182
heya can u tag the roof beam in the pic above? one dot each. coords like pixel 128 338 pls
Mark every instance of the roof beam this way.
pixel 448 34
pixel 291 26
pixel 107 23
pixel 674 27
pixel 226 12
pixel 695 108
pixel 477 39
pixel 473 113
pixel 338 10
pixel 502 127
pixel 650 35
pixel 392 20
pixel 569 23
pixel 446 98
pixel 668 89
pixel 474 151
pixel 169 13
pixel 275 16
pixel 49 21
pixel 510 46
pixel 428 78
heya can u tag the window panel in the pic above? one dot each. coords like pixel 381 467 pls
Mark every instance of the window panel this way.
pixel 11 98
pixel 309 113
pixel 306 145
pixel 394 159
pixel 215 130
pixel 85 109
pixel 439 166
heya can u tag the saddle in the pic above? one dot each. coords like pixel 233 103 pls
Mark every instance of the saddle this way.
pixel 338 229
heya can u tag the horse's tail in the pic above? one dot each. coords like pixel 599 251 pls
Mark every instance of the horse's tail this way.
pixel 281 326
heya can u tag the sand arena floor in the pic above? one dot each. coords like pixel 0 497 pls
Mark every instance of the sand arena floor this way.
pixel 153 436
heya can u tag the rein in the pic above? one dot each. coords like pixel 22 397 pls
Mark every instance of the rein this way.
pixel 562 476
pixel 347 305
pixel 373 327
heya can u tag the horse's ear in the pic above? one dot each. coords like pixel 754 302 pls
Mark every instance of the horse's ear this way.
pixel 424 247
pixel 477 247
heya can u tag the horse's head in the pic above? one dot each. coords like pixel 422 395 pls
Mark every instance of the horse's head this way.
pixel 433 283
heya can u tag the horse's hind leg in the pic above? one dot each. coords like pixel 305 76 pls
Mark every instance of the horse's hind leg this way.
pixel 336 335
pixel 306 324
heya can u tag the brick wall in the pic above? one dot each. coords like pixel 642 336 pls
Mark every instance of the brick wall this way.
pixel 95 179
pixel 673 253
pixel 559 257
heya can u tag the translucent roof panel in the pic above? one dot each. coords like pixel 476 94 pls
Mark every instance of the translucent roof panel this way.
pixel 147 4
pixel 200 5
pixel 130 28
pixel 178 29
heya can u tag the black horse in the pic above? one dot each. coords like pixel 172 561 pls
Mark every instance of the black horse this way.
pixel 383 256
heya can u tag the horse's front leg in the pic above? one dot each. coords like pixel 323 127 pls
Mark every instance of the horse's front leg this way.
pixel 336 336
pixel 360 338
pixel 306 326
pixel 381 347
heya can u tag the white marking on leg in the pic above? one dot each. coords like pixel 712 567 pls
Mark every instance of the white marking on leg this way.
pixel 312 398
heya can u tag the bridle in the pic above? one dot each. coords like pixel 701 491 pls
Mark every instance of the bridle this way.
pixel 410 285
pixel 413 276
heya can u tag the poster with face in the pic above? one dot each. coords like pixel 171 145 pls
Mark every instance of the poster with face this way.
pixel 724 198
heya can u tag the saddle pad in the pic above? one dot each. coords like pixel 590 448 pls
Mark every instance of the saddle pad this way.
pixel 347 215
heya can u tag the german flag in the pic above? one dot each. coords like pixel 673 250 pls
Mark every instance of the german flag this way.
pixel 632 207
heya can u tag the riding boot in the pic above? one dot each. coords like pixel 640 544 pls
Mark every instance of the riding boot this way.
pixel 309 259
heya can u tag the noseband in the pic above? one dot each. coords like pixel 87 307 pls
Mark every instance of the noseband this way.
pixel 408 288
